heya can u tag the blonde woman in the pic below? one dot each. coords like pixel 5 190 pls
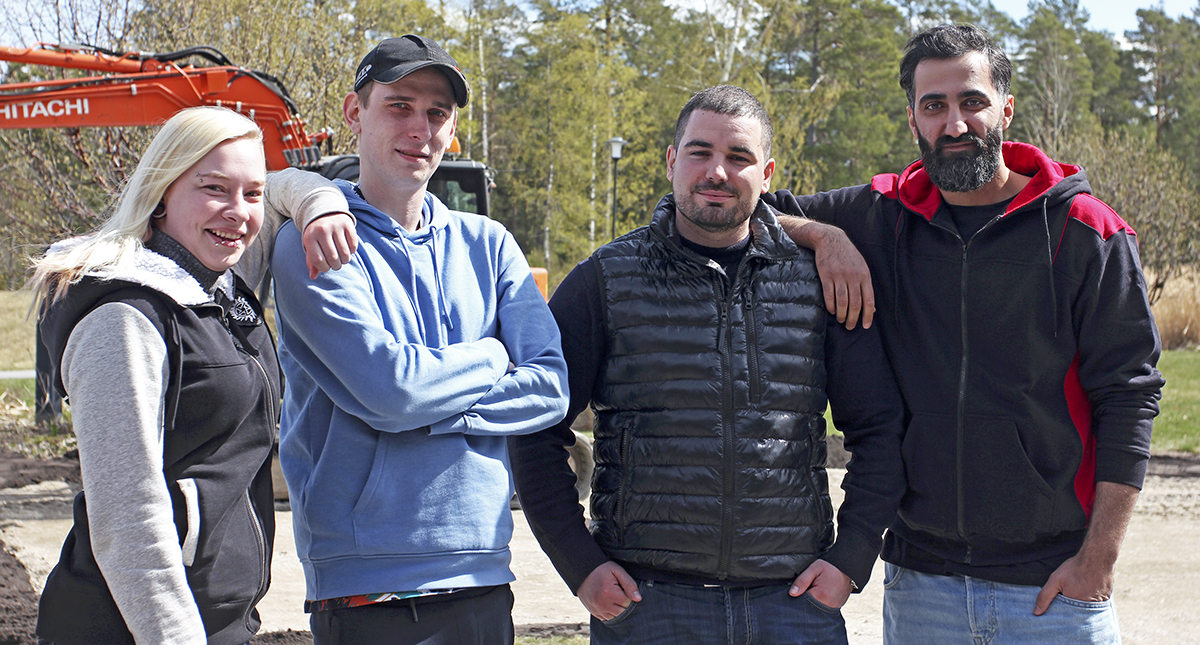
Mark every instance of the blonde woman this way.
pixel 174 389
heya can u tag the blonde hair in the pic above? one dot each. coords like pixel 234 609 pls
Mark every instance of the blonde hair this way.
pixel 182 142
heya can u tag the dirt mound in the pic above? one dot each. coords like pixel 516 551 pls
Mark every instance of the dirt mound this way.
pixel 17 470
pixel 18 602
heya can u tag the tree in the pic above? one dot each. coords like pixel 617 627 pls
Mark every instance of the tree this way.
pixel 1156 45
pixel 845 55
pixel 1151 189
pixel 1053 76
pixel 1115 82
pixel 1168 52
pixel 545 132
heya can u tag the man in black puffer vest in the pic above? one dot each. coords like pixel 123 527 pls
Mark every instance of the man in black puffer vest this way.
pixel 702 344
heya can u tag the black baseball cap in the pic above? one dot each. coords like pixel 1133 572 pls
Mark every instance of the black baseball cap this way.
pixel 395 58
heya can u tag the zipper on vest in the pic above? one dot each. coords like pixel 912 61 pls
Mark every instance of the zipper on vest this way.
pixel 264 561
pixel 728 441
pixel 752 350
pixel 260 533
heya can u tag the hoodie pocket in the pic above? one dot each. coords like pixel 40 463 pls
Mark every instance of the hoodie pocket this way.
pixel 1005 497
pixel 929 465
pixel 432 494
pixel 191 500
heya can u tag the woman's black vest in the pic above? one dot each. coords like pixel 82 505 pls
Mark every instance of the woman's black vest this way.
pixel 709 439
pixel 221 411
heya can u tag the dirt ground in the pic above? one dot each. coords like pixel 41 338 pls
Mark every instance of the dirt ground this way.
pixel 1170 504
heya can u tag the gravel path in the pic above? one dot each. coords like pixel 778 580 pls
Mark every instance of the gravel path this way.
pixel 1157 575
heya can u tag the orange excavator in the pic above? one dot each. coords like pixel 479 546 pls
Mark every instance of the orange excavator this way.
pixel 137 89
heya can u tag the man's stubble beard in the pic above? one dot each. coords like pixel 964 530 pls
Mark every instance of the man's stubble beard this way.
pixel 716 219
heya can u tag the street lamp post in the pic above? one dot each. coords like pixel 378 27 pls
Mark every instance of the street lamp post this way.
pixel 616 143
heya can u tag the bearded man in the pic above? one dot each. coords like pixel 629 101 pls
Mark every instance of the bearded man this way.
pixel 702 345
pixel 1014 311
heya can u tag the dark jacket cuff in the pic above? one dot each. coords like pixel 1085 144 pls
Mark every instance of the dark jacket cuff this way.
pixel 588 557
pixel 854 556
pixel 1121 467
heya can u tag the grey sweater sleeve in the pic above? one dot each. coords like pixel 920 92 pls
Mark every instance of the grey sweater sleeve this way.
pixel 115 371
pixel 290 194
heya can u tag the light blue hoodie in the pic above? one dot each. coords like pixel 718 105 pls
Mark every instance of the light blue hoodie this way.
pixel 399 398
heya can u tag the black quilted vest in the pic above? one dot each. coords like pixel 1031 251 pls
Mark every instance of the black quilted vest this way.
pixel 709 440
pixel 221 411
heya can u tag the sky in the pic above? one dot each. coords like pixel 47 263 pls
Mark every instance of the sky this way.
pixel 1113 16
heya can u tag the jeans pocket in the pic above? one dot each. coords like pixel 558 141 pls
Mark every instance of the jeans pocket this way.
pixel 820 605
pixel 892 574
pixel 1084 605
pixel 620 618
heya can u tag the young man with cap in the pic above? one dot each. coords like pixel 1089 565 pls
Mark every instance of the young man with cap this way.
pixel 406 371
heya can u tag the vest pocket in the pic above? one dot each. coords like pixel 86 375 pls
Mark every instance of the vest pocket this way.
pixel 621 512
pixel 191 499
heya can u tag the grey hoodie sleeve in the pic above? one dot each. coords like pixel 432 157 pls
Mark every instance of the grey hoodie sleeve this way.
pixel 115 371
pixel 290 194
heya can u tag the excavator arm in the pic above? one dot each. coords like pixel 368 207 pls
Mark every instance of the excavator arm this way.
pixel 141 89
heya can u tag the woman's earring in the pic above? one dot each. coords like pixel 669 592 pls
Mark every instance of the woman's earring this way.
pixel 159 211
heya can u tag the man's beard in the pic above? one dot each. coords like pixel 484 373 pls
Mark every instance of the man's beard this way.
pixel 716 219
pixel 962 172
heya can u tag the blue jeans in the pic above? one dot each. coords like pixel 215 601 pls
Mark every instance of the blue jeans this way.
pixel 673 614
pixel 923 609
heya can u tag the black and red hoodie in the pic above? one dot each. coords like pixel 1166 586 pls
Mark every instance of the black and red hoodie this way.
pixel 1026 357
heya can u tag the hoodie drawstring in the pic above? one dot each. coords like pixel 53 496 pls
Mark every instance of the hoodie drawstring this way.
pixel 896 264
pixel 1050 263
pixel 441 302
pixel 411 292
pixel 443 307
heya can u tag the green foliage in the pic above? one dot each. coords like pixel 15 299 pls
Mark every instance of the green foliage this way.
pixel 1149 188
pixel 1055 79
pixel 1170 51
pixel 829 81
pixel 553 80
pixel 1178 424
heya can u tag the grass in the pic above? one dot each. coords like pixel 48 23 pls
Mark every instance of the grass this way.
pixel 1178 424
pixel 19 432
pixel 16 332
pixel 18 390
